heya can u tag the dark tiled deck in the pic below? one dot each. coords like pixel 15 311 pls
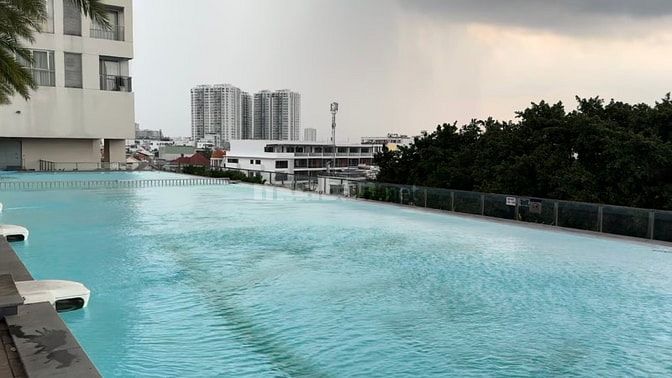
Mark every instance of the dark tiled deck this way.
pixel 36 342
pixel 10 363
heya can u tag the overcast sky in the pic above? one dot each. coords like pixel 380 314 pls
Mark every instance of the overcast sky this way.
pixel 399 65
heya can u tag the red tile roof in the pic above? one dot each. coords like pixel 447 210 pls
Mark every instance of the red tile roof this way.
pixel 196 159
pixel 218 154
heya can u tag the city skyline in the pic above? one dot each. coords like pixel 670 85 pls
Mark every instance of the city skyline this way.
pixel 223 112
pixel 401 66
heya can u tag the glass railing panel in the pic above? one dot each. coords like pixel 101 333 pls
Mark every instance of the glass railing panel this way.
pixel 495 205
pixel 662 225
pixel 625 221
pixel 467 202
pixel 438 198
pixel 582 216
pixel 536 210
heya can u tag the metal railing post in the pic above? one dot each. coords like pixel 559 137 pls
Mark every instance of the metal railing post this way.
pixel 516 212
pixel 652 220
pixel 555 212
pixel 482 204
pixel 425 197
pixel 599 217
pixel 452 201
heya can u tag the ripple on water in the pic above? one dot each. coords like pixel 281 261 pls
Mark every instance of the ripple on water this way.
pixel 203 281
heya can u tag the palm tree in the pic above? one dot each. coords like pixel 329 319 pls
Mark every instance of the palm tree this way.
pixel 19 21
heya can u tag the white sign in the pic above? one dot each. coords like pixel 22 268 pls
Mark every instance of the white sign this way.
pixel 511 201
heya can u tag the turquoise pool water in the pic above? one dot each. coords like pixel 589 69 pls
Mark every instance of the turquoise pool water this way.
pixel 240 281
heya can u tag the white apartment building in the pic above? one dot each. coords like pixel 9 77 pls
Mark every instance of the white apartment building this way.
pixel 277 115
pixel 294 156
pixel 220 112
pixel 392 140
pixel 310 135
pixel 84 95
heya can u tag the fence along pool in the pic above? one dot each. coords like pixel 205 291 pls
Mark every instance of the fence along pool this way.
pixel 109 184
pixel 618 220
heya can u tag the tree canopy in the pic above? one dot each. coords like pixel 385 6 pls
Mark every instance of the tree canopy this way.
pixel 613 153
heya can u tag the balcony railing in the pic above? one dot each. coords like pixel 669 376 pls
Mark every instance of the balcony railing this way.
pixel 115 33
pixel 116 83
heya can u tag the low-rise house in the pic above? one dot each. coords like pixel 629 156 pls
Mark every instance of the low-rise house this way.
pixel 170 153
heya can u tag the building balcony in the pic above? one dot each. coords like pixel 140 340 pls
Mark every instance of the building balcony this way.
pixel 116 83
pixel 115 33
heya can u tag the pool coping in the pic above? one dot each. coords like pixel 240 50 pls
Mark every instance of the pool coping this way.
pixel 44 344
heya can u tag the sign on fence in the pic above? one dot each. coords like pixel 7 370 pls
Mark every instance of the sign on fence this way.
pixel 511 201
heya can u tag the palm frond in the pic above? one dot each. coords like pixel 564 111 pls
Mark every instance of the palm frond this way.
pixel 94 9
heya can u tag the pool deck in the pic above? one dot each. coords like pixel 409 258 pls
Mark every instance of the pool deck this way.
pixel 35 340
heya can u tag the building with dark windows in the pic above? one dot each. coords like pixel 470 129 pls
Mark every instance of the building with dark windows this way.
pixel 220 113
pixel 296 156
pixel 277 115
pixel 85 93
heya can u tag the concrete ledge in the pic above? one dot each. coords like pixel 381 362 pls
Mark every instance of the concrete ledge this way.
pixel 45 345
pixel 10 263
pixel 9 296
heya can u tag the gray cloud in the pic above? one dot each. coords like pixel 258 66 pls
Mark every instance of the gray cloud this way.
pixel 561 16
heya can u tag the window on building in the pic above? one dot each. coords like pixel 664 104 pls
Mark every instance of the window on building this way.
pixel 73 69
pixel 116 30
pixel 48 24
pixel 342 149
pixel 72 18
pixel 290 149
pixel 365 150
pixel 252 162
pixel 42 67
pixel 281 164
pixel 257 162
pixel 111 78
pixel 268 149
pixel 232 161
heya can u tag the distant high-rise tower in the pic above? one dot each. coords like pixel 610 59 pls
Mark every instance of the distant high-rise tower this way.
pixel 217 111
pixel 262 115
pixel 310 135
pixel 247 106
pixel 277 115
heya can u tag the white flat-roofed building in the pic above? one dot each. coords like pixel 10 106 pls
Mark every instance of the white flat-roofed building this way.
pixel 294 156
pixel 392 140
pixel 84 95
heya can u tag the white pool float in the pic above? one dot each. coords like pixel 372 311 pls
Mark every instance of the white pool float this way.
pixel 13 232
pixel 63 295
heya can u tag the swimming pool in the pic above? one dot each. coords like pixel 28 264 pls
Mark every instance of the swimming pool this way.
pixel 242 280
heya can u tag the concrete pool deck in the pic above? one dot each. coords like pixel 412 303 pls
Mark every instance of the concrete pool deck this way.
pixel 35 340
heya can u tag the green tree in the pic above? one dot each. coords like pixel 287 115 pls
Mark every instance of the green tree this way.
pixel 614 153
pixel 19 21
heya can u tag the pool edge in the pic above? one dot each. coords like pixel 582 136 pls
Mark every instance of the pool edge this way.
pixel 32 330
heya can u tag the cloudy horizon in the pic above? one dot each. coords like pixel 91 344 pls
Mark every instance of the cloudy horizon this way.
pixel 399 65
